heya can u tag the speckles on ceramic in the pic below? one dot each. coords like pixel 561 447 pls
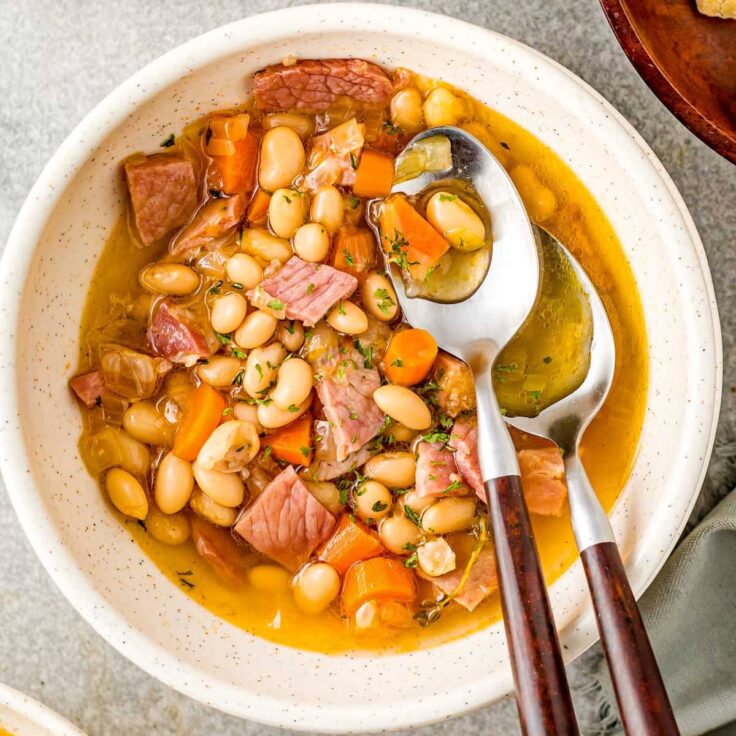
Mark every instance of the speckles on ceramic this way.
pixel 24 716
pixel 46 269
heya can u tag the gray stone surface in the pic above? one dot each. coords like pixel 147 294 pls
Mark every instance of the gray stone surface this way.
pixel 57 60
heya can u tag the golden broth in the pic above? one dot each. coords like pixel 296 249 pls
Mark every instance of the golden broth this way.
pixel 609 446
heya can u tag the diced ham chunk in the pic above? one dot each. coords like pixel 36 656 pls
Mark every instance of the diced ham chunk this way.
pixel 437 474
pixel 88 387
pixel 543 480
pixel 218 548
pixel 163 194
pixel 214 220
pixel 542 470
pixel 303 291
pixel 481 582
pixel 286 522
pixel 326 465
pixel 315 84
pixel 464 440
pixel 176 334
pixel 334 155
pixel 347 401
pixel 456 386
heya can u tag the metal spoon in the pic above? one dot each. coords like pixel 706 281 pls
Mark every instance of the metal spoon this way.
pixel 642 698
pixel 475 330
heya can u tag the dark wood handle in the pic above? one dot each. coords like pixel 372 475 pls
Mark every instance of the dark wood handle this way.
pixel 643 704
pixel 542 693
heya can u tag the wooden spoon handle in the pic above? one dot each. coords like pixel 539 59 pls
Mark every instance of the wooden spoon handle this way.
pixel 641 695
pixel 542 694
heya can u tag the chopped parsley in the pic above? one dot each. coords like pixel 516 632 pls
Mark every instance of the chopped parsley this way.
pixel 385 302
pixel 397 363
pixel 293 408
pixel 506 367
pixel 379 506
pixel 168 142
pixel 412 515
pixel 305 451
pixel 236 285
pixel 348 257
pixel 288 200
pixel 227 410
pixel 442 437
pixel 216 288
pixel 267 450
pixel 238 380
pixel 547 359
pixel 353 202
pixel 259 370
pixel 237 352
pixel 366 352
pixel 341 308
pixel 412 560
pixel 397 247
pixel 535 394
pixel 454 486
pixel 448 197
pixel 276 304
pixel 353 161
pixel 310 288
pixel 290 327
pixel 390 128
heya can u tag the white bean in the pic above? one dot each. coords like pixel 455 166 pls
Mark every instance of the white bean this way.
pixel 282 158
pixel 348 318
pixel 372 500
pixel 220 370
pixel 271 416
pixel 403 405
pixel 174 483
pixel 245 270
pixel 315 587
pixel 406 109
pixel 229 448
pixel 170 529
pixel 225 489
pixel 293 384
pixel 173 279
pixel 246 412
pixel 286 212
pixel 214 512
pixel 126 493
pixel 416 502
pixel 145 423
pixel 265 247
pixel 327 208
pixel 436 557
pixel 379 297
pixel 312 242
pixel 256 329
pixel 228 312
pixel 290 334
pixel 393 469
pixel 457 221
pixel 442 108
pixel 260 369
pixel 399 535
pixel 449 515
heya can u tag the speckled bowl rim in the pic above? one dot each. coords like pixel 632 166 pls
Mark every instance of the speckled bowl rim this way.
pixel 22 706
pixel 14 460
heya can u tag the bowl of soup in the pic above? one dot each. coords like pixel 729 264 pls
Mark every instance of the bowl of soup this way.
pixel 234 456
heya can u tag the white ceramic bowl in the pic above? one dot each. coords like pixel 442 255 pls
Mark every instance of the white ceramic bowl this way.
pixel 24 716
pixel 45 275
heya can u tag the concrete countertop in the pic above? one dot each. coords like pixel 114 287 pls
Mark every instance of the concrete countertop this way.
pixel 57 61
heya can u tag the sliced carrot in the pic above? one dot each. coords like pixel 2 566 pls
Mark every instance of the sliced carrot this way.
pixel 351 542
pixel 378 579
pixel 408 238
pixel 292 443
pixel 374 176
pixel 200 418
pixel 409 357
pixel 238 170
pixel 258 208
pixel 354 251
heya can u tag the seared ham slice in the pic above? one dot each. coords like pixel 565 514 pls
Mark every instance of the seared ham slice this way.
pixel 286 522
pixel 163 194
pixel 347 401
pixel 326 465
pixel 315 84
pixel 176 334
pixel 464 440
pixel 218 548
pixel 303 291
pixel 437 474
pixel 88 387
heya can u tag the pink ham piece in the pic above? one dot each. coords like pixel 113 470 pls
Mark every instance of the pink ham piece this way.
pixel 89 388
pixel 214 220
pixel 286 522
pixel 347 401
pixel 437 474
pixel 334 156
pixel 326 465
pixel 163 194
pixel 176 334
pixel 303 291
pixel 481 582
pixel 542 471
pixel 222 553
pixel 314 85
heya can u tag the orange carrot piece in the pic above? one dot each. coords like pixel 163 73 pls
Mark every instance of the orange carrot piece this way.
pixel 258 208
pixel 351 542
pixel 378 579
pixel 374 176
pixel 238 171
pixel 409 357
pixel 200 418
pixel 408 238
pixel 292 443
pixel 354 251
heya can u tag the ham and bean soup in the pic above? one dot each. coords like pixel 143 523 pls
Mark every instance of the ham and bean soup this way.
pixel 288 450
